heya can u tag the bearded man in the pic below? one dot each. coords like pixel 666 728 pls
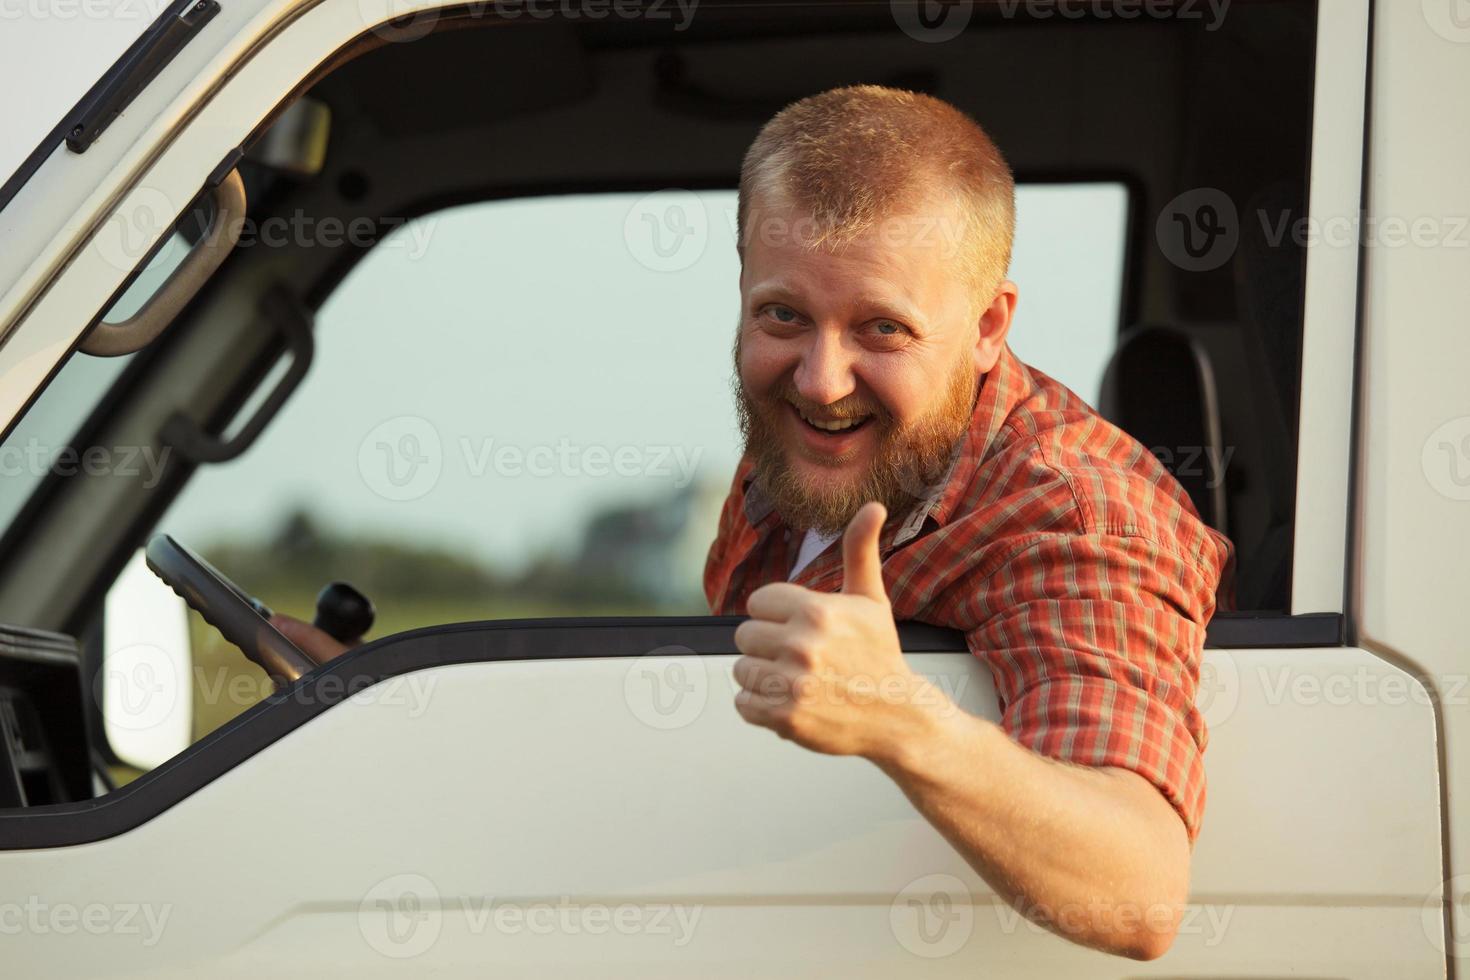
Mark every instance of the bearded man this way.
pixel 880 404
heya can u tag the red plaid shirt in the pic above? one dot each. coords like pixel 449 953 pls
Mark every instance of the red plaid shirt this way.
pixel 1073 561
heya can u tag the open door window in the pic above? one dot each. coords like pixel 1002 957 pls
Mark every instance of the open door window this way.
pixel 555 760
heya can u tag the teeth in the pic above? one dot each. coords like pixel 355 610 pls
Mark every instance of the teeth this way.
pixel 842 425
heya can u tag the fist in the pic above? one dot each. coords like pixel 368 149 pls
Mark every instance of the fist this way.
pixel 317 644
pixel 825 670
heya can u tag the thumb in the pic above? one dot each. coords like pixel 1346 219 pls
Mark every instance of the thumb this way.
pixel 862 570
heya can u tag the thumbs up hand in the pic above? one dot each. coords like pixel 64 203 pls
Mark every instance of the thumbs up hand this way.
pixel 826 670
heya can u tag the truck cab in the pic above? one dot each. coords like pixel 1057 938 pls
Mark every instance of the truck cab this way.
pixel 437 298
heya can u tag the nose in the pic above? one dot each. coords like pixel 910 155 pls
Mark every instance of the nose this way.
pixel 825 373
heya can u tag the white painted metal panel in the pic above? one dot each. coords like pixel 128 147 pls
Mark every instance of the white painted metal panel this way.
pixel 1329 318
pixel 54 51
pixel 1412 575
pixel 490 818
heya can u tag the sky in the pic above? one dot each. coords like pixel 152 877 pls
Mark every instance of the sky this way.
pixel 490 375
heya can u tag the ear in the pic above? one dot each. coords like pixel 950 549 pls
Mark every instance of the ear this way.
pixel 995 324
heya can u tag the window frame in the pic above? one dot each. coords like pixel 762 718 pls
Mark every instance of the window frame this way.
pixel 1331 314
pixel 269 72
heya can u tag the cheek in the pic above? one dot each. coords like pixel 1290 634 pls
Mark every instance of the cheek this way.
pixel 763 361
pixel 902 391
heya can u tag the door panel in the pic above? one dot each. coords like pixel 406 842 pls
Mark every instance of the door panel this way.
pixel 613 815
pixel 1410 573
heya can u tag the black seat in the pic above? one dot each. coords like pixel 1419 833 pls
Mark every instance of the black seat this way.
pixel 1159 387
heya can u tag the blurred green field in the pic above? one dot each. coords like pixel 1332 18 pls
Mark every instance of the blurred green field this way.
pixel 412 587
pixel 225 683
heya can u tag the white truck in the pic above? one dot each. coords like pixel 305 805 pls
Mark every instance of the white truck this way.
pixel 572 797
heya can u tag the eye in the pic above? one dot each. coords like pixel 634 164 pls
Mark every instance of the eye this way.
pixel 780 318
pixel 887 334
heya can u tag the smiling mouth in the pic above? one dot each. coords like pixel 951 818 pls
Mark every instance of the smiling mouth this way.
pixel 841 426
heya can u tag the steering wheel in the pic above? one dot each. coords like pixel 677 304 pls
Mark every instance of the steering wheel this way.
pixel 240 619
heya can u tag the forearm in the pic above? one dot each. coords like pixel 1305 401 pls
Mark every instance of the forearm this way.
pixel 1097 855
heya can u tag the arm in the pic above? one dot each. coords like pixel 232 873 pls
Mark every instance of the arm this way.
pixel 1097 854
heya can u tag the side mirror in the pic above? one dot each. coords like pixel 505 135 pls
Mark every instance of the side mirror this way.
pixel 146 688
pixel 296 142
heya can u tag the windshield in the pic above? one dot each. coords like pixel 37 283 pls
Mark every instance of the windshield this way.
pixel 45 439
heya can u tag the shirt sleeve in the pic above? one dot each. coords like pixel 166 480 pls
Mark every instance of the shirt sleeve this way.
pixel 1095 642
pixel 718 562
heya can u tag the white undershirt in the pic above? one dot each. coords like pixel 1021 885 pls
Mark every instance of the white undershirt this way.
pixel 812 545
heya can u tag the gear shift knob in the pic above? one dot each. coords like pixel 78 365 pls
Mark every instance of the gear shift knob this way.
pixel 343 612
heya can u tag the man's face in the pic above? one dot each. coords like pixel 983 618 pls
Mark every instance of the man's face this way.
pixel 858 366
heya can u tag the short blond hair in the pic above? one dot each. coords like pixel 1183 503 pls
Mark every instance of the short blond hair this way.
pixel 852 157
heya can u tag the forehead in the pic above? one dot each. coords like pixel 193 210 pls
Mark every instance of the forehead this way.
pixel 911 256
pixel 931 228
